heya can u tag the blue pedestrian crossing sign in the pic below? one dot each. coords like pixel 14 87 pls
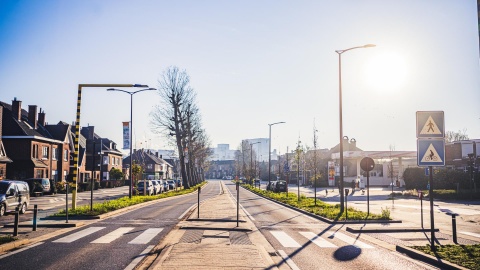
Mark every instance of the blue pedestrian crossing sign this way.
pixel 430 124
pixel 431 152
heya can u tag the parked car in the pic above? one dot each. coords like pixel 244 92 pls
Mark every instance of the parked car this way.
pixel 157 187
pixel 148 189
pixel 271 185
pixel 171 184
pixel 39 185
pixel 165 186
pixel 179 182
pixel 280 186
pixel 14 194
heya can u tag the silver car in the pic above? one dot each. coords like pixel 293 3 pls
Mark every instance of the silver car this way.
pixel 14 194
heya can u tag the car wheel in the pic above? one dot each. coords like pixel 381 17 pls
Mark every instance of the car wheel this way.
pixel 23 209
pixel 2 209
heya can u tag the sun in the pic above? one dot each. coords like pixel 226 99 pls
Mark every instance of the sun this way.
pixel 386 72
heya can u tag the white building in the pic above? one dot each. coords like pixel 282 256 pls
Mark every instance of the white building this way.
pixel 260 147
pixel 222 152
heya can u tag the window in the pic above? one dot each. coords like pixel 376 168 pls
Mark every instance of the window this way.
pixel 39 173
pixel 65 175
pixel 45 152
pixel 54 175
pixel 35 151
pixel 54 153
pixel 65 155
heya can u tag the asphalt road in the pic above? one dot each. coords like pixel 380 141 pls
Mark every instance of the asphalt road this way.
pixel 307 243
pixel 113 243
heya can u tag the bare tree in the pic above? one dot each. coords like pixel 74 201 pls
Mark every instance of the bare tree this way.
pixel 451 136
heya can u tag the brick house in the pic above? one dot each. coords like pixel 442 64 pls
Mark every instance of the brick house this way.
pixel 35 148
pixel 3 154
pixel 154 166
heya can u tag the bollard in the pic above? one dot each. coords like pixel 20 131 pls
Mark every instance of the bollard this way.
pixel 66 202
pixel 238 198
pixel 346 205
pixel 15 227
pixel 35 212
pixel 454 227
pixel 198 203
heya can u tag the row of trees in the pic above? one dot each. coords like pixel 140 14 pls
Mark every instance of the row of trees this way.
pixel 178 118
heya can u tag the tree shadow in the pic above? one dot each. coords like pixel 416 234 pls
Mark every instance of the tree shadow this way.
pixel 347 253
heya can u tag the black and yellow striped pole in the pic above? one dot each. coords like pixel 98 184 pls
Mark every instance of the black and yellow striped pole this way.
pixel 77 132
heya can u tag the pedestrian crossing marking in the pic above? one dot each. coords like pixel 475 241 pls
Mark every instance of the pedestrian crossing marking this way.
pixel 108 238
pixel 317 240
pixel 78 235
pixel 284 239
pixel 146 236
pixel 431 155
pixel 349 240
pixel 430 127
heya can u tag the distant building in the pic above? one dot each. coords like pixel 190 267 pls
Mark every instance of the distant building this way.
pixel 222 152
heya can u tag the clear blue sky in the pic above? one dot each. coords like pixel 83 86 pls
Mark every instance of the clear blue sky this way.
pixel 251 63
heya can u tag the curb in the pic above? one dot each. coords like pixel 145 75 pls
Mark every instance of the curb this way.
pixel 389 230
pixel 13 244
pixel 418 255
pixel 329 221
pixel 47 225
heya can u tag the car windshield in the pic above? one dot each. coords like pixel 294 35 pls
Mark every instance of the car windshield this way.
pixel 3 187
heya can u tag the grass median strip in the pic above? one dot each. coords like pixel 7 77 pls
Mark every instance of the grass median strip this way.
pixel 321 208
pixel 7 239
pixel 464 255
pixel 112 205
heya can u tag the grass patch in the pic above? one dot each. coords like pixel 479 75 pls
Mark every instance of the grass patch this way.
pixel 112 205
pixel 7 239
pixel 464 255
pixel 321 209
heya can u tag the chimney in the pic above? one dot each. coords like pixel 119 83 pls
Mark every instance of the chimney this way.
pixel 161 156
pixel 17 109
pixel 32 115
pixel 156 154
pixel 353 142
pixel 346 146
pixel 41 117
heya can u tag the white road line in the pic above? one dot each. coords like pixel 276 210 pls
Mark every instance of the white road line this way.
pixel 471 234
pixel 139 258
pixel 20 250
pixel 317 240
pixel 108 238
pixel 284 239
pixel 78 235
pixel 146 236
pixel 186 211
pixel 349 240
pixel 287 259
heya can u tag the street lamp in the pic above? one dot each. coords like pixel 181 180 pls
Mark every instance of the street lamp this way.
pixel 340 52
pixel 251 162
pixel 270 146
pixel 76 144
pixel 131 129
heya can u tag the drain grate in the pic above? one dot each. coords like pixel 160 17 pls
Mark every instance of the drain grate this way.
pixel 192 236
pixel 239 238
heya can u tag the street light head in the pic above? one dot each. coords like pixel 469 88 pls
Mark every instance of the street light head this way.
pixel 369 45
pixel 140 85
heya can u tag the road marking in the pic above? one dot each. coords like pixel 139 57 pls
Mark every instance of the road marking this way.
pixel 284 239
pixel 20 250
pixel 146 236
pixel 78 235
pixel 139 258
pixel 349 240
pixel 287 259
pixel 471 233
pixel 108 238
pixel 186 211
pixel 317 240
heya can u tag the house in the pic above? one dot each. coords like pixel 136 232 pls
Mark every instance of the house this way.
pixel 35 148
pixel 460 155
pixel 154 166
pixel 3 154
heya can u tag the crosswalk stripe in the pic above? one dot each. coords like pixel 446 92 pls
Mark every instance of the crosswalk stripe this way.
pixel 146 236
pixel 349 240
pixel 78 235
pixel 471 234
pixel 284 239
pixel 108 238
pixel 317 240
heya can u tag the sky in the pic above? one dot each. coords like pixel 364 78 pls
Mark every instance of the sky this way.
pixel 251 63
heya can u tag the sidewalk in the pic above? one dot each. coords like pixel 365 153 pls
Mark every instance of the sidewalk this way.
pixel 214 241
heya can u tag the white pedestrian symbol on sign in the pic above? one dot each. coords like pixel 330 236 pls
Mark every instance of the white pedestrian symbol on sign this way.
pixel 430 127
pixel 431 155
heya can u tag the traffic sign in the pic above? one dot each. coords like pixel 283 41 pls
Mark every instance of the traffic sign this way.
pixel 431 152
pixel 367 164
pixel 430 124
pixel 286 168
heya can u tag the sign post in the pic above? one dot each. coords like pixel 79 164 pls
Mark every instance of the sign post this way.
pixel 431 151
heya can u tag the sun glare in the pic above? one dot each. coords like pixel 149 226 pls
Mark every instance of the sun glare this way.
pixel 386 72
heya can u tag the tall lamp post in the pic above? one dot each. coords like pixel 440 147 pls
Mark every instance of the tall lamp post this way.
pixel 340 52
pixel 270 147
pixel 251 162
pixel 131 130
